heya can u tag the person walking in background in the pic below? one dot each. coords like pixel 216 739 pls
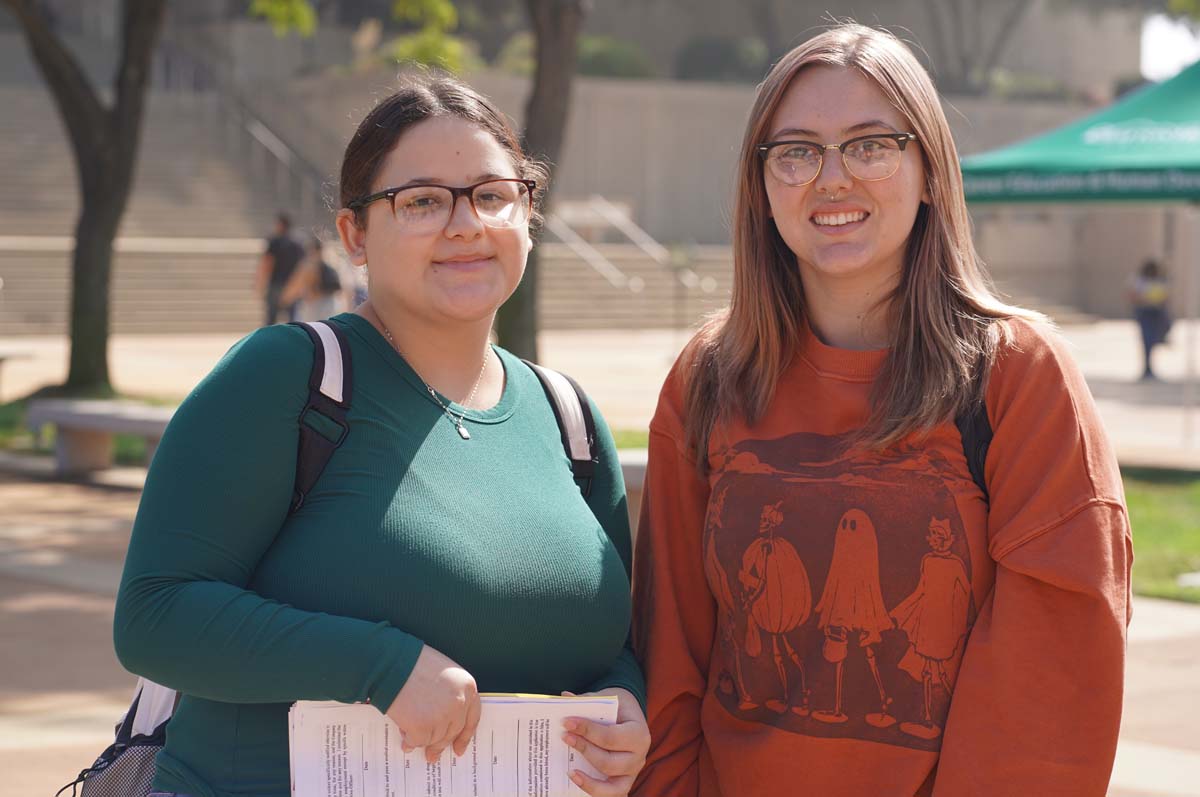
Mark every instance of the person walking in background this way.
pixel 315 287
pixel 275 268
pixel 1148 293
pixel 883 548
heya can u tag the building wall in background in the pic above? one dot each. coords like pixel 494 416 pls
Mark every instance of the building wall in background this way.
pixel 1087 51
pixel 667 150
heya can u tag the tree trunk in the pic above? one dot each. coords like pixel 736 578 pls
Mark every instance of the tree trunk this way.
pixel 104 142
pixel 556 25
pixel 91 278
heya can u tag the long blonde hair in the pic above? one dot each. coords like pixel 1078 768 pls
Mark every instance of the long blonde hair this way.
pixel 942 312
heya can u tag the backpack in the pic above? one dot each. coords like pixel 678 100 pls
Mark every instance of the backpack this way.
pixel 126 768
pixel 976 432
pixel 328 281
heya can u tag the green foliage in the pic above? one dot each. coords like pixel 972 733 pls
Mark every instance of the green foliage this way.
pixel 435 48
pixel 724 58
pixel 517 55
pixel 599 56
pixel 286 15
pixel 1185 8
pixel 438 15
pixel 603 56
pixel 12 423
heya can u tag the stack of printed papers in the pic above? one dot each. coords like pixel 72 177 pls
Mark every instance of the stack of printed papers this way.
pixel 341 750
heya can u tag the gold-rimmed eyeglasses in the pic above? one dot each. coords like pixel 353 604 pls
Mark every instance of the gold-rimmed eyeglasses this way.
pixel 427 207
pixel 871 157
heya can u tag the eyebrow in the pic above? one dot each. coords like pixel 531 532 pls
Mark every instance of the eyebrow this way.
pixel 800 131
pixel 479 178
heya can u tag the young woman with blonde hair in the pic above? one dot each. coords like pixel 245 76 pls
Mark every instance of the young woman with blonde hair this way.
pixel 840 588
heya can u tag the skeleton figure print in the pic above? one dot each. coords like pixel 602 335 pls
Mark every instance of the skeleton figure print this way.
pixel 842 607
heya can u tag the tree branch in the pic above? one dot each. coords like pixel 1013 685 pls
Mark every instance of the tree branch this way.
pixel 141 23
pixel 74 94
pixel 1001 39
pixel 958 36
pixel 945 54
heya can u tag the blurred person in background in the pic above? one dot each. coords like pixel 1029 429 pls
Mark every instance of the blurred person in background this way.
pixel 276 267
pixel 883 548
pixel 315 287
pixel 1148 292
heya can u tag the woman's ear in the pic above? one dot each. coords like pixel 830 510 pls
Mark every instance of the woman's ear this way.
pixel 354 236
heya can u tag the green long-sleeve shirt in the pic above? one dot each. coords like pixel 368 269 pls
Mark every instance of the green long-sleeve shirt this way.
pixel 484 549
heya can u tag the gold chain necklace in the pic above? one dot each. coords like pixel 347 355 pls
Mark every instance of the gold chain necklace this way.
pixel 456 420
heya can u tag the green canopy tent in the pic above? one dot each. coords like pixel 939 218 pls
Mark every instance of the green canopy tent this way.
pixel 1143 148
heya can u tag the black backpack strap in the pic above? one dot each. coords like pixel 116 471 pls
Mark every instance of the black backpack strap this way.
pixel 323 424
pixel 575 423
pixel 976 432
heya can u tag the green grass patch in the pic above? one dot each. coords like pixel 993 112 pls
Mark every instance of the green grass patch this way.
pixel 1164 510
pixel 631 438
pixel 12 423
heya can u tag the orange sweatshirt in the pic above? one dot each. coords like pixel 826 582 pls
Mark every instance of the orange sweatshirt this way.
pixel 813 621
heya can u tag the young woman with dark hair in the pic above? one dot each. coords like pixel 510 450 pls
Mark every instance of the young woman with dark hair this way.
pixel 833 595
pixel 446 549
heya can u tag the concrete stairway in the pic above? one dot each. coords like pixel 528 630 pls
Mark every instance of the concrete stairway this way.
pixel 574 296
pixel 151 293
pixel 185 186
pixel 156 292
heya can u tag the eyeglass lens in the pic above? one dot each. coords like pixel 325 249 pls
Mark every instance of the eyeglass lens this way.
pixel 865 159
pixel 500 203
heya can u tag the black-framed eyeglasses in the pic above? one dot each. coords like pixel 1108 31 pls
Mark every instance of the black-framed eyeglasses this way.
pixel 427 207
pixel 871 157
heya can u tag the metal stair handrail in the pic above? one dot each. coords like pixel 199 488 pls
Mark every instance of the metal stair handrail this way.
pixel 203 70
pixel 651 247
pixel 590 255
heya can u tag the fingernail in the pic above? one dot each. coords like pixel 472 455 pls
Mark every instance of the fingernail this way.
pixel 576 777
pixel 569 739
pixel 571 725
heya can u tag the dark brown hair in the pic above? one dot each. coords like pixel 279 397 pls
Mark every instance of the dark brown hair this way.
pixel 422 97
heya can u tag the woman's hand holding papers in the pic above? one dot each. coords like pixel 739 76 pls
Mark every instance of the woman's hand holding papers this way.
pixel 618 751
pixel 438 706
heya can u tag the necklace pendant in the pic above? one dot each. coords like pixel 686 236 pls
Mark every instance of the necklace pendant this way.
pixel 462 431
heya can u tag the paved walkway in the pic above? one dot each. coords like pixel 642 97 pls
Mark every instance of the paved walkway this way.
pixel 1148 422
pixel 61 547
pixel 61 688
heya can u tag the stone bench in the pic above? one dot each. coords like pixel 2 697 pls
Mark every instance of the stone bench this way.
pixel 85 429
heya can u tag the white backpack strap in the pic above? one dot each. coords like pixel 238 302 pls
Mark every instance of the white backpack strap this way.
pixel 575 422
pixel 155 704
pixel 330 389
